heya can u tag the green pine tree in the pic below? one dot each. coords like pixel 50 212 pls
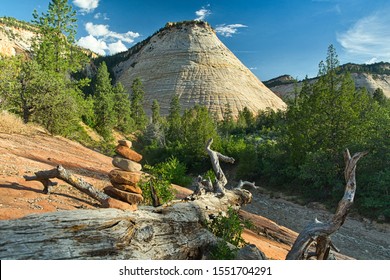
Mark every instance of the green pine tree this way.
pixel 137 100
pixel 122 107
pixel 104 102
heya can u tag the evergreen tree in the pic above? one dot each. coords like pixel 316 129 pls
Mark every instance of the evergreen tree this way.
pixel 122 108
pixel 227 124
pixel 104 102
pixel 379 96
pixel 174 120
pixel 54 49
pixel 326 119
pixel 137 100
pixel 10 68
pixel 43 91
pixel 156 117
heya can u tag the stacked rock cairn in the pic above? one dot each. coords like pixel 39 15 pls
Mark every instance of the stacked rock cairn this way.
pixel 125 177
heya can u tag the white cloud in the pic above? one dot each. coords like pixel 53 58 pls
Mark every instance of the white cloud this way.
pixel 86 6
pixel 368 39
pixel 203 13
pixel 97 30
pixel 101 39
pixel 101 16
pixel 117 47
pixel 101 30
pixel 228 30
pixel 96 45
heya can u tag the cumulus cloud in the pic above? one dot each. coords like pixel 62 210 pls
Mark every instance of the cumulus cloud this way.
pixel 203 13
pixel 117 47
pixel 97 30
pixel 368 39
pixel 228 30
pixel 102 39
pixel 86 6
pixel 95 45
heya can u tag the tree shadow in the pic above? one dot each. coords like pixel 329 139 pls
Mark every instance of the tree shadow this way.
pixel 77 169
pixel 18 187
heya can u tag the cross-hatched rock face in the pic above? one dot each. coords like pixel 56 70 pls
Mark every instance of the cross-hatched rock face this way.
pixel 189 60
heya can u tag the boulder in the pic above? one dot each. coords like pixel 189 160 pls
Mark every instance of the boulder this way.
pixel 125 177
pixel 132 198
pixel 128 153
pixel 128 188
pixel 126 143
pixel 126 164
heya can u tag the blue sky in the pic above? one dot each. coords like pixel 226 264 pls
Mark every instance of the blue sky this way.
pixel 271 37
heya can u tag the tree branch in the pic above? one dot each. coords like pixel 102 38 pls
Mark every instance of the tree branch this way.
pixel 320 232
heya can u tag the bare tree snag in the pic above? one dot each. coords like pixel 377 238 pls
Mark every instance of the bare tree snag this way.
pixel 215 157
pixel 320 232
pixel 83 186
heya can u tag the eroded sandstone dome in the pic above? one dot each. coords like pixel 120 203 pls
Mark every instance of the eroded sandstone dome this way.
pixel 189 60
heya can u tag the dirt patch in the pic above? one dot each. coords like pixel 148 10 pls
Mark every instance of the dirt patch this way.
pixel 358 238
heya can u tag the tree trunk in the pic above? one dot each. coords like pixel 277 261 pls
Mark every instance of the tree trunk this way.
pixel 320 232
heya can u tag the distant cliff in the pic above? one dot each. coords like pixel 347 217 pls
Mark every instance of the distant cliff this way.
pixel 369 76
pixel 15 36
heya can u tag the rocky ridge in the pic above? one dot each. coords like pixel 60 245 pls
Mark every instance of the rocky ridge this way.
pixel 189 60
pixel 284 86
pixel 15 38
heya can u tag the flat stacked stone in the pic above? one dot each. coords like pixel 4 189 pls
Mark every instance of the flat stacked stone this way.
pixel 124 179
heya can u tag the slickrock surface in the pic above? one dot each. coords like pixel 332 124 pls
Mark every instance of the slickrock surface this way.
pixel 189 60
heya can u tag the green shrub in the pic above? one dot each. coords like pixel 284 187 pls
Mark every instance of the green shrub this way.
pixel 229 228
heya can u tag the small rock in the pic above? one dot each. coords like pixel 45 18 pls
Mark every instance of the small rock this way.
pixel 131 198
pixel 250 252
pixel 126 143
pixel 126 164
pixel 128 188
pixel 128 153
pixel 125 177
pixel 118 204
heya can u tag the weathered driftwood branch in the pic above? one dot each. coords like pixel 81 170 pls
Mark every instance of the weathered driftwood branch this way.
pixel 320 232
pixel 215 157
pixel 83 186
pixel 246 183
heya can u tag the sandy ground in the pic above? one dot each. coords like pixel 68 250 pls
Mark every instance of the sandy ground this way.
pixel 25 154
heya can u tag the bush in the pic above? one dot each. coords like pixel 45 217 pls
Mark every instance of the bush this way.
pixel 173 171
pixel 229 228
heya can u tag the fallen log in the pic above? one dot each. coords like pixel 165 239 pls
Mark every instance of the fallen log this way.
pixel 61 173
pixel 176 230
pixel 320 232
pixel 167 232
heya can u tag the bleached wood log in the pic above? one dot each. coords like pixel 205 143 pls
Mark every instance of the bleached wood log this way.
pixel 167 232
pixel 172 231
pixel 320 232
pixel 61 173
